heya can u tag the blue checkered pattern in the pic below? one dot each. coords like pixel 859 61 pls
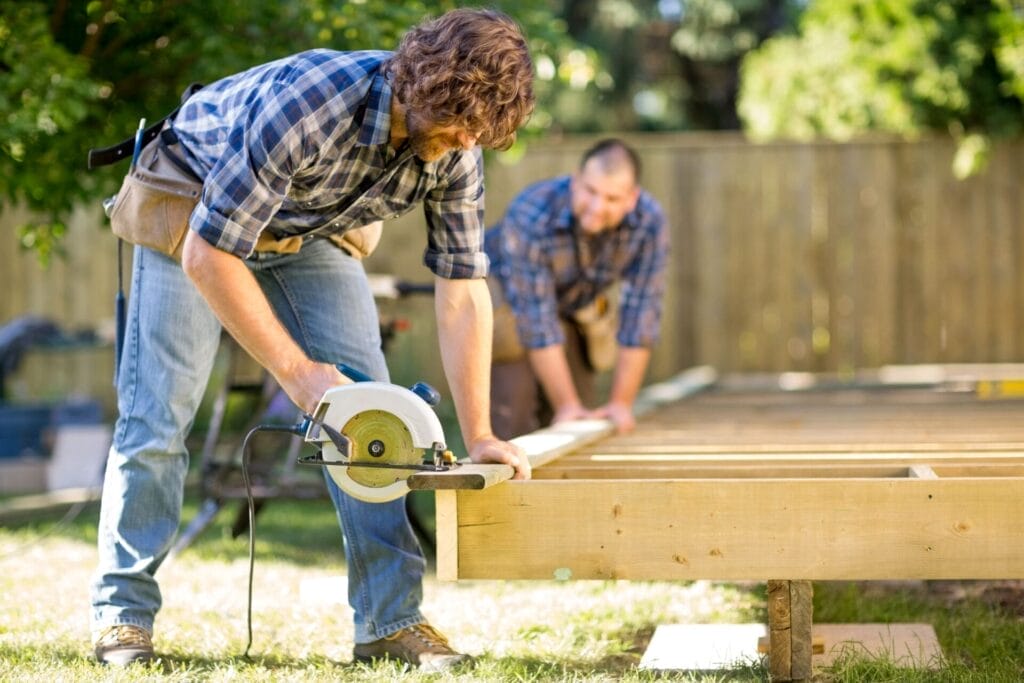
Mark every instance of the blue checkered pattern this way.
pixel 302 144
pixel 535 253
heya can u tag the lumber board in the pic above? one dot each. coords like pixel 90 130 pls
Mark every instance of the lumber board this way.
pixel 814 529
pixel 545 445
pixel 684 470
pixel 647 470
pixel 965 457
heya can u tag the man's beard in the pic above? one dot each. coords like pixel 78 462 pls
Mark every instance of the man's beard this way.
pixel 423 142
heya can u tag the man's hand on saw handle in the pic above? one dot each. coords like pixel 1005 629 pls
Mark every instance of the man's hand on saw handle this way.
pixel 306 384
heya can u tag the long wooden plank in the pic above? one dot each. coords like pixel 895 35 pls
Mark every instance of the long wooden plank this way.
pixel 743 529
pixel 549 443
pixel 816 456
pixel 824 452
pixel 647 470
pixel 643 469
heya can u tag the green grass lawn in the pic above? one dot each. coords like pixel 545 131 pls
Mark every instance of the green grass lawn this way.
pixel 519 631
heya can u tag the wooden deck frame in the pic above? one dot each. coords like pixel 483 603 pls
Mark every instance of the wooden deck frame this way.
pixel 818 511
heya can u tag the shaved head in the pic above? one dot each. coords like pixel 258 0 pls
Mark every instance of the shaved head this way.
pixel 611 157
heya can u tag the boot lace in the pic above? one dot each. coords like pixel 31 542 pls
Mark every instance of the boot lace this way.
pixel 125 635
pixel 429 636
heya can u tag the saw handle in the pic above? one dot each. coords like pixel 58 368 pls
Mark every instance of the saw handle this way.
pixel 353 374
pixel 429 394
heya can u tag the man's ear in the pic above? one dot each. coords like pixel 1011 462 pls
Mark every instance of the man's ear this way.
pixel 634 198
pixel 574 183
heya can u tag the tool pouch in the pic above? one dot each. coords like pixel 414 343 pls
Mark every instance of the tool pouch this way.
pixel 357 242
pixel 597 323
pixel 507 347
pixel 155 201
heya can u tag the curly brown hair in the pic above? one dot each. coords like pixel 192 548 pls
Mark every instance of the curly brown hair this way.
pixel 468 67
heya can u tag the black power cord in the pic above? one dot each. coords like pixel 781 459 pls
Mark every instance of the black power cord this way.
pixel 343 445
pixel 298 429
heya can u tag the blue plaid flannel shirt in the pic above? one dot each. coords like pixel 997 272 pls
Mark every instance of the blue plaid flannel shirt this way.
pixel 301 144
pixel 533 254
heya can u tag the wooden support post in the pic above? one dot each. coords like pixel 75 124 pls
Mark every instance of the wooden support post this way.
pixel 447 516
pixel 801 617
pixel 789 630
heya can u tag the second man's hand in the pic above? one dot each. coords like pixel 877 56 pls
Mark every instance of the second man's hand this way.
pixel 620 415
pixel 491 449
pixel 571 412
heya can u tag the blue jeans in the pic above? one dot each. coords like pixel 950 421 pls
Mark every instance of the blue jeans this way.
pixel 322 297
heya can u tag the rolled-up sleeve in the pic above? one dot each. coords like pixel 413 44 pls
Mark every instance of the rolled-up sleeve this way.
pixel 455 212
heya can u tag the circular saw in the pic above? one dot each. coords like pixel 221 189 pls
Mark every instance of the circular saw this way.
pixel 374 435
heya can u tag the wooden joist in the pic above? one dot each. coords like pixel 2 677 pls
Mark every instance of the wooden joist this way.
pixel 742 529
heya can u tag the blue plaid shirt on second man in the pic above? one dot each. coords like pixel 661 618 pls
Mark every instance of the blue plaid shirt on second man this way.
pixel 548 269
pixel 300 146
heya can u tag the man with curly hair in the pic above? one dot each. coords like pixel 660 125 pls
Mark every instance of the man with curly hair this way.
pixel 289 157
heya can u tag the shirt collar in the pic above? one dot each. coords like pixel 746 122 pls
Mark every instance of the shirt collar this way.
pixel 375 128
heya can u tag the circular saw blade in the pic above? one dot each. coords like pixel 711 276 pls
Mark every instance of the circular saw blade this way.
pixel 379 437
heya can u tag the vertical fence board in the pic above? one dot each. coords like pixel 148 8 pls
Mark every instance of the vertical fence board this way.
pixel 1007 314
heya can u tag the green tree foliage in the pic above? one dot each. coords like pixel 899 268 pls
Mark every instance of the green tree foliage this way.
pixel 667 64
pixel 77 74
pixel 712 38
pixel 898 66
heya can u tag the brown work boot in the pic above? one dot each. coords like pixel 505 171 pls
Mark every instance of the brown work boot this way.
pixel 124 644
pixel 421 646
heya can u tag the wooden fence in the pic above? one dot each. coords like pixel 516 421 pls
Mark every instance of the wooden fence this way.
pixel 818 257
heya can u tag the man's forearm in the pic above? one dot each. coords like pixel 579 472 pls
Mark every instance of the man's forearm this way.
pixel 239 303
pixel 552 370
pixel 630 367
pixel 464 323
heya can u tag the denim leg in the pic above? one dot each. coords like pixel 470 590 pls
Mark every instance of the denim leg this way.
pixel 171 340
pixel 322 296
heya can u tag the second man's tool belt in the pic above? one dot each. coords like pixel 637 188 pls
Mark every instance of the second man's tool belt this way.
pixel 596 323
